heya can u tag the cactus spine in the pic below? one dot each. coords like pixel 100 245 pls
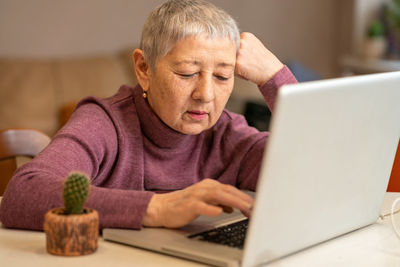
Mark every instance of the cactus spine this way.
pixel 76 191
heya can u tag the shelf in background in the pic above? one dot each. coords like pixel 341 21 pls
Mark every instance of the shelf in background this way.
pixel 358 65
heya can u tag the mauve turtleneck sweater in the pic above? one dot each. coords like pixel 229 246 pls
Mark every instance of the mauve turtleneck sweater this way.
pixel 129 153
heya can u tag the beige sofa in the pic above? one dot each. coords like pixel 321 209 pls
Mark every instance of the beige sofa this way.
pixel 40 93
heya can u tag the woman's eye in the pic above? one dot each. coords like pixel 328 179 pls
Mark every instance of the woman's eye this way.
pixel 221 78
pixel 187 76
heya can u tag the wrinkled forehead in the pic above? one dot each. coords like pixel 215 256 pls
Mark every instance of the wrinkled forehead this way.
pixel 194 48
pixel 202 50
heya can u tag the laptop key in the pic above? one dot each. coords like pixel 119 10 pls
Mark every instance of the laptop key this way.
pixel 232 235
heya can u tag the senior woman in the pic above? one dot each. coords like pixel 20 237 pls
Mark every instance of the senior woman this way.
pixel 163 152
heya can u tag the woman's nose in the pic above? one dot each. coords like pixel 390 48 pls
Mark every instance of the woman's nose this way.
pixel 204 90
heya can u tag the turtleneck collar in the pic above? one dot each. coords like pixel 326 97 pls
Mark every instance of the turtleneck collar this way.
pixel 154 128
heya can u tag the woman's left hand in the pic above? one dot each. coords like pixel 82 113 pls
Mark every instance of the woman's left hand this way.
pixel 254 62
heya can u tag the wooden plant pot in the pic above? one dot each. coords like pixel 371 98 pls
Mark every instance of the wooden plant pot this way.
pixel 71 235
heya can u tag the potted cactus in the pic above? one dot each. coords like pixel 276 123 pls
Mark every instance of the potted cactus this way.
pixel 74 229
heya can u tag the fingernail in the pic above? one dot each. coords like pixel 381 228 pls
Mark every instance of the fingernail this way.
pixel 250 207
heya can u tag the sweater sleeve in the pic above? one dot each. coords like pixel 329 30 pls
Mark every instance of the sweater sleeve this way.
pixel 270 89
pixel 251 163
pixel 88 143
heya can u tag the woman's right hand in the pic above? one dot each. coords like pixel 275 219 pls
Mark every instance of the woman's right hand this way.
pixel 207 197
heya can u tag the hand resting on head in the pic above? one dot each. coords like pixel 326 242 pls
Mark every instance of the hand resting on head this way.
pixel 254 62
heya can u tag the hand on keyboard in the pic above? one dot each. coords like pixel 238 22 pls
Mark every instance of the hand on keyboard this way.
pixel 208 197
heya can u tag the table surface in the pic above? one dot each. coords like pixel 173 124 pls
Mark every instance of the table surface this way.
pixel 374 245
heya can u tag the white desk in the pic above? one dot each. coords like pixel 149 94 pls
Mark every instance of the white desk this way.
pixel 375 245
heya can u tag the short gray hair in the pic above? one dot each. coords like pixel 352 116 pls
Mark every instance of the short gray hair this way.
pixel 177 19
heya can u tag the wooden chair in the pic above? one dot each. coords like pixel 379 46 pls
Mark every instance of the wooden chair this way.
pixel 17 143
pixel 394 182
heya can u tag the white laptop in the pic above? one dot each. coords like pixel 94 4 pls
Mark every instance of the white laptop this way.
pixel 325 172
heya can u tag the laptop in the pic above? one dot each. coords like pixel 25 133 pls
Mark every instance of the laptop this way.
pixel 324 173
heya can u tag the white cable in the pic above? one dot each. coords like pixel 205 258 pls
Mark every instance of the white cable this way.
pixel 383 216
pixel 396 230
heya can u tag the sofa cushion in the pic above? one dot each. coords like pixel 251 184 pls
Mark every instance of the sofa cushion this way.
pixel 27 96
pixel 80 77
pixel 77 78
pixel 34 92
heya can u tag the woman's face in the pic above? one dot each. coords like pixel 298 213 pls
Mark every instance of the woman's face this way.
pixel 190 85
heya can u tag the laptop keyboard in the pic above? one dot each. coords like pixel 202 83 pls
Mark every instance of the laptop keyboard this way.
pixel 232 235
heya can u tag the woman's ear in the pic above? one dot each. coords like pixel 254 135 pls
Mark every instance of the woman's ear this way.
pixel 142 69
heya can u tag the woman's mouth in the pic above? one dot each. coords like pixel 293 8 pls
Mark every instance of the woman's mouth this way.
pixel 197 115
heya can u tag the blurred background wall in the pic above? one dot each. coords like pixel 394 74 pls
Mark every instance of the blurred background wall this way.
pixel 305 30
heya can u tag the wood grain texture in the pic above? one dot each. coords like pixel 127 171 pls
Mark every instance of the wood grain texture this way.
pixel 71 235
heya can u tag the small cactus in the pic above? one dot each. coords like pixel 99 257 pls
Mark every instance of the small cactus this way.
pixel 76 191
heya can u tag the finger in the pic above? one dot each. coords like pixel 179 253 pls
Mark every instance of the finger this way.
pixel 238 193
pixel 214 193
pixel 248 212
pixel 203 208
pixel 211 186
pixel 227 199
pixel 226 209
pixel 239 72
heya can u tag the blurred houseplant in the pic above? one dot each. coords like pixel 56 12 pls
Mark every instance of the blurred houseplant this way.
pixel 375 43
pixel 383 33
pixel 72 230
pixel 392 18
